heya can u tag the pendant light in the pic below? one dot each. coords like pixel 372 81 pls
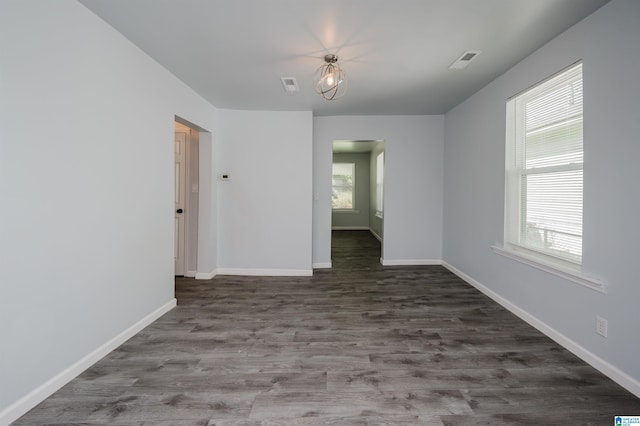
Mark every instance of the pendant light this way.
pixel 330 81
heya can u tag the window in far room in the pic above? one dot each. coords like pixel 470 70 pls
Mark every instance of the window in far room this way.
pixel 343 183
pixel 379 183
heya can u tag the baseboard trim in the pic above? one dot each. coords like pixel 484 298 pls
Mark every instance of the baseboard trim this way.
pixel 190 274
pixel 609 370
pixel 410 262
pixel 375 234
pixel 266 272
pixel 206 275
pixel 350 228
pixel 39 394
pixel 322 265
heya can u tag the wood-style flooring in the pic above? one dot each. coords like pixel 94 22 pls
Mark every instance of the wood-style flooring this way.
pixel 359 344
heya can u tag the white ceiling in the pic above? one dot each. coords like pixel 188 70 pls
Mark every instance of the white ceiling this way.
pixel 396 53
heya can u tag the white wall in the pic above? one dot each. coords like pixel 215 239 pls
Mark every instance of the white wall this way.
pixel 86 183
pixel 359 217
pixel 208 148
pixel 413 183
pixel 607 42
pixel 265 208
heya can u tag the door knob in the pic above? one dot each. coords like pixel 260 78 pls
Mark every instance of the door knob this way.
pixel 179 211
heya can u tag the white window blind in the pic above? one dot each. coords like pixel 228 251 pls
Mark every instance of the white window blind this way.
pixel 379 183
pixel 544 170
pixel 343 181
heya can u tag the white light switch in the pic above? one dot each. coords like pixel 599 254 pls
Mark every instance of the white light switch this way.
pixel 194 188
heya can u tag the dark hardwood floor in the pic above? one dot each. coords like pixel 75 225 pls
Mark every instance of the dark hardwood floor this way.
pixel 359 344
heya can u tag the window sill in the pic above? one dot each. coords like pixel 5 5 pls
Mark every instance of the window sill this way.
pixel 379 214
pixel 557 270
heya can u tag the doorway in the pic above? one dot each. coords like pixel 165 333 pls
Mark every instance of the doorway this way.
pixel 186 200
pixel 357 191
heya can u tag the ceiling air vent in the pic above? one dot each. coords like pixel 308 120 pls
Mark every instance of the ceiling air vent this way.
pixel 290 84
pixel 464 60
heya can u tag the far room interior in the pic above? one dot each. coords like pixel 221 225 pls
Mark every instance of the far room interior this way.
pixel 357 188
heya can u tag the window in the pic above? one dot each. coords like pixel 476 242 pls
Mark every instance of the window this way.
pixel 544 169
pixel 343 181
pixel 379 183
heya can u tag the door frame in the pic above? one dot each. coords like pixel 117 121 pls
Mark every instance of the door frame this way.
pixel 372 145
pixel 191 204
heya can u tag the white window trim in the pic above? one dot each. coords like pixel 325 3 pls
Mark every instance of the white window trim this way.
pixel 558 268
pixel 556 265
pixel 549 263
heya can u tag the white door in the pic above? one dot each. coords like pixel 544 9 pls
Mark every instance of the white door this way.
pixel 180 185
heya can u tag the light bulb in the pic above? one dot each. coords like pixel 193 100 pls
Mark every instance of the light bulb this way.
pixel 330 79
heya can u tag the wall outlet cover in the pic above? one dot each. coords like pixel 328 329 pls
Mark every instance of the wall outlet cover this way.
pixel 602 326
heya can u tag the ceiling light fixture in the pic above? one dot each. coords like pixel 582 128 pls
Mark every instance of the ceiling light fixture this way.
pixel 330 80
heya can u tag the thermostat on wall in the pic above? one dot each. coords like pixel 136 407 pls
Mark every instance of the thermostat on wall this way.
pixel 224 176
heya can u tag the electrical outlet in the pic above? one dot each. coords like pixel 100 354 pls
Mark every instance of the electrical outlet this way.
pixel 601 326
